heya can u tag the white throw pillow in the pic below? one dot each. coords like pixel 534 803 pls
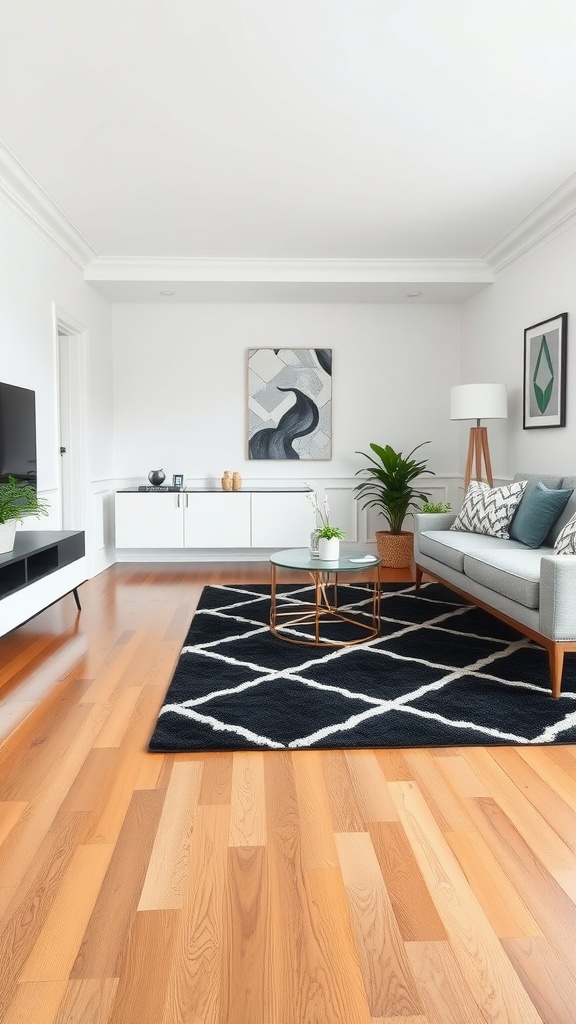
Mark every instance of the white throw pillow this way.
pixel 488 509
pixel 566 539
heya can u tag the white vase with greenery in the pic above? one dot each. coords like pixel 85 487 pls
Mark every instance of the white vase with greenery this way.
pixel 329 549
pixel 329 537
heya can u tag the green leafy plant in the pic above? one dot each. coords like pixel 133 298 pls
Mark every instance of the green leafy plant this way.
pixel 325 530
pixel 436 506
pixel 17 501
pixel 388 486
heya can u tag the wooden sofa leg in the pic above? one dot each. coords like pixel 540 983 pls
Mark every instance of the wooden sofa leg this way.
pixel 418 578
pixel 556 662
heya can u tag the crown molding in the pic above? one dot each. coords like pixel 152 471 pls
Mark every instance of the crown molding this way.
pixel 24 195
pixel 553 215
pixel 312 271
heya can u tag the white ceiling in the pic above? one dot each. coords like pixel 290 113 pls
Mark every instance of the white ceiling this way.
pixel 304 129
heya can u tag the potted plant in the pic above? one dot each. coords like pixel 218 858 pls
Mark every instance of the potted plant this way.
pixel 389 488
pixel 17 500
pixel 430 507
pixel 329 537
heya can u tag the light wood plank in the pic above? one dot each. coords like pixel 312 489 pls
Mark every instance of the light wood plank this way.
pixel 105 938
pixel 386 972
pixel 246 984
pixel 247 800
pixel 442 985
pixel 121 709
pixel 149 947
pixel 57 945
pixel 475 946
pixel 530 824
pixel 370 788
pixel 549 983
pixel 36 1002
pixel 10 814
pixel 414 908
pixel 87 1001
pixel 193 993
pixel 344 809
pixel 507 913
pixel 316 831
pixel 335 989
pixel 168 866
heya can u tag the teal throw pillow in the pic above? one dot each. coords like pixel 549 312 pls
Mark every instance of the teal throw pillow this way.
pixel 537 513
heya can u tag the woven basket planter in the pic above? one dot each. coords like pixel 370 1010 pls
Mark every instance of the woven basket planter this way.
pixel 395 549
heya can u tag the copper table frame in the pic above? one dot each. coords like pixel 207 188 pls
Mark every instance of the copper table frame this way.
pixel 323 610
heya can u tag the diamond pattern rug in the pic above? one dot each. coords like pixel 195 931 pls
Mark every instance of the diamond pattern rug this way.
pixel 442 673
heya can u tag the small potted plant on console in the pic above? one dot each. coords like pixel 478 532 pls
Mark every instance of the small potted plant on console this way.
pixel 17 501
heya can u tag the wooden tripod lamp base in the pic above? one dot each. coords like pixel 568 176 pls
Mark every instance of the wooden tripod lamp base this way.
pixel 478 457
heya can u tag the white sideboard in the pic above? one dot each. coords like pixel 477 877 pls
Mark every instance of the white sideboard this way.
pixel 200 519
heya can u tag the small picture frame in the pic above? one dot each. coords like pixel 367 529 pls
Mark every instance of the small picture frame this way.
pixel 545 346
pixel 178 480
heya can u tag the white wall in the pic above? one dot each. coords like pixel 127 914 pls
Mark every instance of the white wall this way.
pixel 34 277
pixel 493 324
pixel 180 384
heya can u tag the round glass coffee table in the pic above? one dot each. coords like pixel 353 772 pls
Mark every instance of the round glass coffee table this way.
pixel 324 608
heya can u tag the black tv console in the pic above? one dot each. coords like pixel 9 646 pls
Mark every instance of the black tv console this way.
pixel 43 567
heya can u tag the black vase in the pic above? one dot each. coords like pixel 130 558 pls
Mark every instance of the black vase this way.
pixel 156 477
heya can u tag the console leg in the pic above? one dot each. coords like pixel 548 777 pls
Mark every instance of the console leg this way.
pixel 77 599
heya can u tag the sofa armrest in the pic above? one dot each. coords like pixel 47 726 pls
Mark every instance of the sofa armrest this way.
pixel 433 521
pixel 430 521
pixel 558 597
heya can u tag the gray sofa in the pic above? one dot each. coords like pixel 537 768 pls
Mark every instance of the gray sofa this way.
pixel 532 589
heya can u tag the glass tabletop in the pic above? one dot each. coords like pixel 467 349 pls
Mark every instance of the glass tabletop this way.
pixel 299 558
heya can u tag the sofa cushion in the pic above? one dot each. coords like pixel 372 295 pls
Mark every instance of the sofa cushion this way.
pixel 566 541
pixel 566 515
pixel 513 573
pixel 489 510
pixel 552 481
pixel 537 512
pixel 449 548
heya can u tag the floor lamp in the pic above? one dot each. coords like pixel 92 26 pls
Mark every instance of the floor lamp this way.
pixel 478 402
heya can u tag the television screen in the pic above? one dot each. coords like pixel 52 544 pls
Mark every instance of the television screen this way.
pixel 17 434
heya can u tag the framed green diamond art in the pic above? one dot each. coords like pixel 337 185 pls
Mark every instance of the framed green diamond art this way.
pixel 545 373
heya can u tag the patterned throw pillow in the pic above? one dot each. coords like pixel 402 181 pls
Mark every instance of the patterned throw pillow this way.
pixel 566 539
pixel 489 509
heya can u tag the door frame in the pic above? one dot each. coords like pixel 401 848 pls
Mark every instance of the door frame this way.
pixel 65 324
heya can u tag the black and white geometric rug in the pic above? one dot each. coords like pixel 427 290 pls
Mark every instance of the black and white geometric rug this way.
pixel 442 673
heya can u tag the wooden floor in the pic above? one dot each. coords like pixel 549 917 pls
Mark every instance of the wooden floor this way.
pixel 384 886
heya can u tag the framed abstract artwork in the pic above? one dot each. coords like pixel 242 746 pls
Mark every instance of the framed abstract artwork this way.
pixel 290 403
pixel 545 373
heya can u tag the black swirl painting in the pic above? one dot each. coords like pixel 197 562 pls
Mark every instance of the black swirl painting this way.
pixel 290 403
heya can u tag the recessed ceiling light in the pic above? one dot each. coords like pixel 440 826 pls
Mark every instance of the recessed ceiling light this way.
pixel 413 295
pixel 167 291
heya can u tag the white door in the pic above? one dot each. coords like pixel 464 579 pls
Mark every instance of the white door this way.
pixel 72 440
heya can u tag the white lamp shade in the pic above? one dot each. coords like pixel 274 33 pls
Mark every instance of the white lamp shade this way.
pixel 478 402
